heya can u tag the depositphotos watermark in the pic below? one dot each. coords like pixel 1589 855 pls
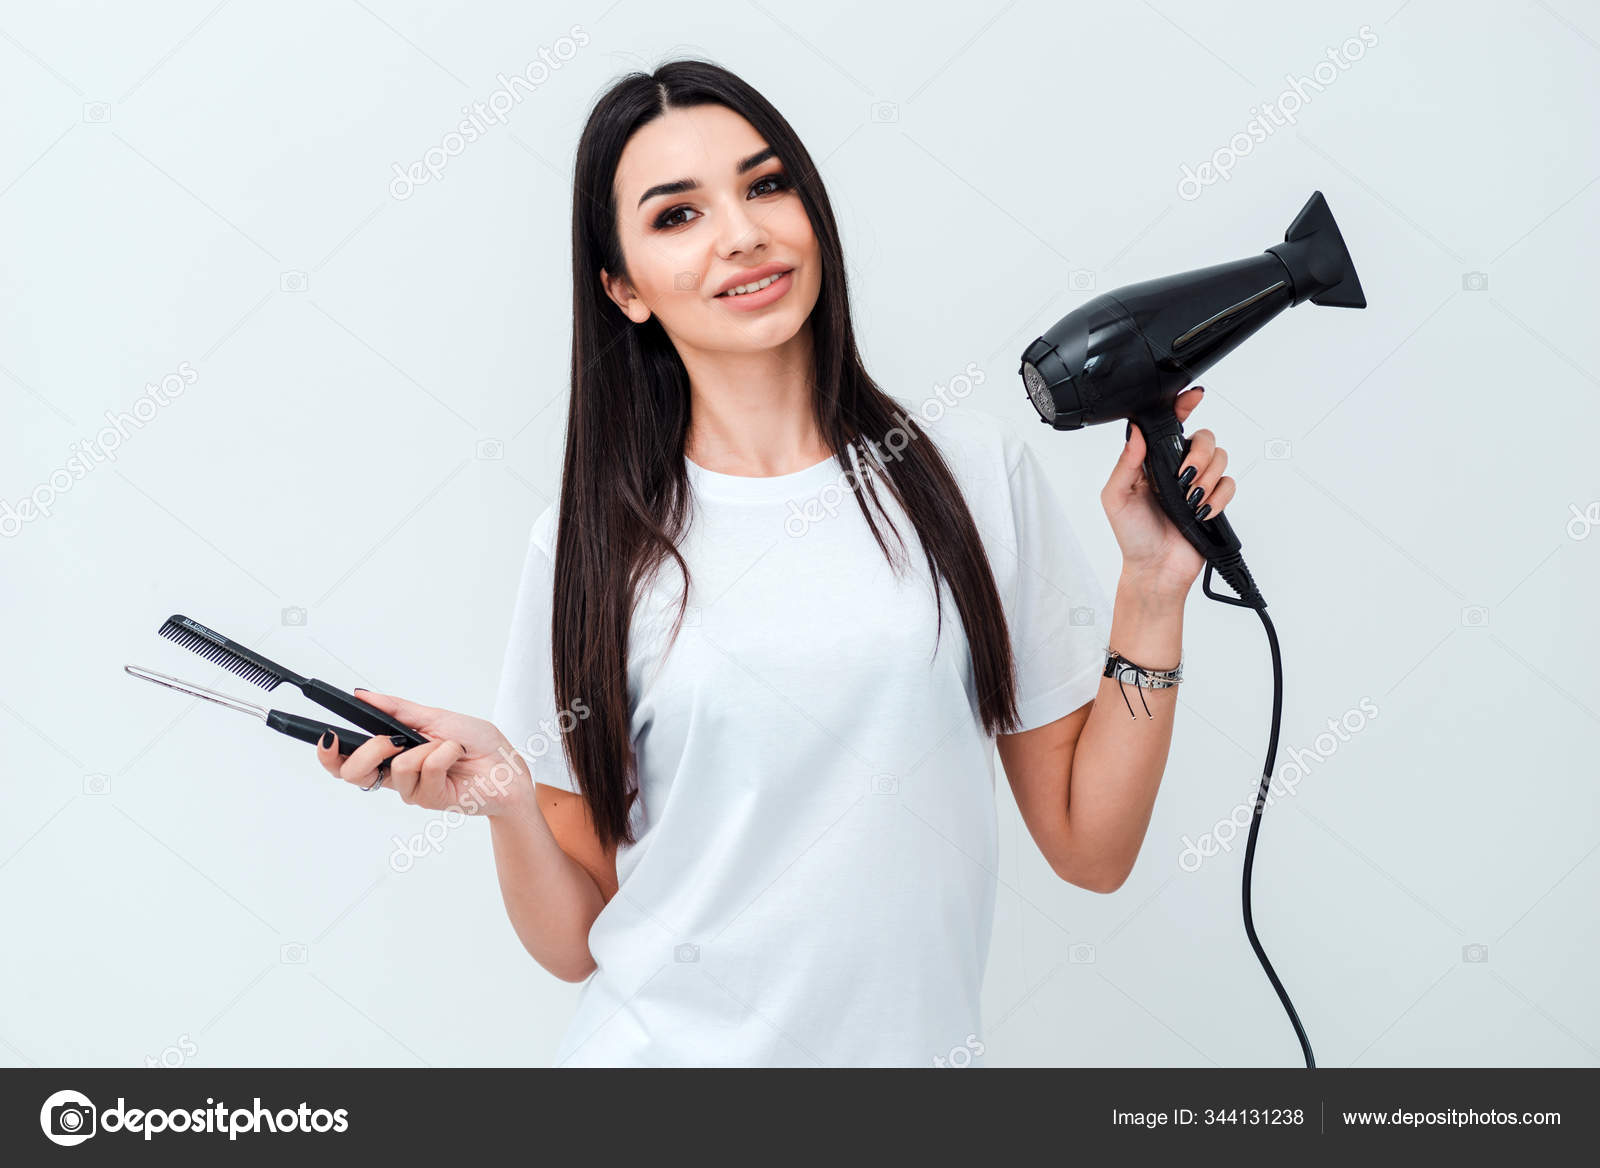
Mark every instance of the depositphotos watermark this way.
pixel 1582 522
pixel 482 115
pixel 826 502
pixel 1289 777
pixel 88 453
pixel 70 1117
pixel 500 778
pixel 961 1056
pixel 1280 112
pixel 175 1055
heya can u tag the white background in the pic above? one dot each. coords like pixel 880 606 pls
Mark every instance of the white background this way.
pixel 210 183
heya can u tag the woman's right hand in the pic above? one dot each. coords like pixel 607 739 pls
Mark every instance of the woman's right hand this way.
pixel 466 764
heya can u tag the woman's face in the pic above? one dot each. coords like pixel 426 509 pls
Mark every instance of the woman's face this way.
pixel 683 246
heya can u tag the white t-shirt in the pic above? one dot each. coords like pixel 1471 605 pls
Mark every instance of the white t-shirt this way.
pixel 814 878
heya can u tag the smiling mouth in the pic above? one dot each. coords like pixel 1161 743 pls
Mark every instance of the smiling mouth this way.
pixel 757 286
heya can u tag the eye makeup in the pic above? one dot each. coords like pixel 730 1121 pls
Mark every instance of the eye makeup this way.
pixel 663 221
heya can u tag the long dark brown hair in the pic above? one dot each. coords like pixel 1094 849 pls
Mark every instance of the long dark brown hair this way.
pixel 624 487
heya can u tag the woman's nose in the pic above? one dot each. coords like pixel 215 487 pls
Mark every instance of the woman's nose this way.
pixel 742 229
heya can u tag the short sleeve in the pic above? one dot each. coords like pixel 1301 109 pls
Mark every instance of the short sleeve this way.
pixel 525 705
pixel 1060 614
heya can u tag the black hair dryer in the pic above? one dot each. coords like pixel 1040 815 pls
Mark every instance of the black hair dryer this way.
pixel 1129 353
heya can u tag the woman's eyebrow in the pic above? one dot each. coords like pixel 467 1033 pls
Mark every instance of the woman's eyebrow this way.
pixel 690 184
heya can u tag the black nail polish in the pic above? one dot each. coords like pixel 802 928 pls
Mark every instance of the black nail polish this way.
pixel 1196 495
pixel 1129 433
pixel 1203 512
pixel 1187 476
pixel 326 740
pixel 399 740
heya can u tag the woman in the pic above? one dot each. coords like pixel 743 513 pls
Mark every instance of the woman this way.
pixel 760 820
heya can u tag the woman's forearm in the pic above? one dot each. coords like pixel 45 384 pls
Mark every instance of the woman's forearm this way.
pixel 551 900
pixel 1118 761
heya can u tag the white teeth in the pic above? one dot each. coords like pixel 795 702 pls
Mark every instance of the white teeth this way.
pixel 742 289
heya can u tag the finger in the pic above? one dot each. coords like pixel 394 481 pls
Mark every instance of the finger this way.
pixel 406 770
pixel 1186 401
pixel 364 759
pixel 1125 475
pixel 1218 499
pixel 330 758
pixel 412 714
pixel 433 787
pixel 1201 444
pixel 1201 488
pixel 329 755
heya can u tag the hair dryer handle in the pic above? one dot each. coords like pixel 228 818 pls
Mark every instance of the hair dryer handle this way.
pixel 1214 538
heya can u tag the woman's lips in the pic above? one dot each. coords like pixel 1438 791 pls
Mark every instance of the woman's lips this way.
pixel 753 300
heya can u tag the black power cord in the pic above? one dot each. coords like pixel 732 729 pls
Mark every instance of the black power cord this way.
pixel 1260 804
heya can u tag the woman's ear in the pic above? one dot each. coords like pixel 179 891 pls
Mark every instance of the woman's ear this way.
pixel 623 296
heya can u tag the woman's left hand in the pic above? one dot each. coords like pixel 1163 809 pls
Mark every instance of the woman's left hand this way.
pixel 1154 551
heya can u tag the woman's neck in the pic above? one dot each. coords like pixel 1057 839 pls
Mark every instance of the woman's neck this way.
pixel 752 414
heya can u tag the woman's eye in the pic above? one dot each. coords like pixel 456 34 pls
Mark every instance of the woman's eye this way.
pixel 777 177
pixel 778 180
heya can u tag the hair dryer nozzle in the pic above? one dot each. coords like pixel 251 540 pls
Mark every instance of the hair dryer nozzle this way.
pixel 1319 263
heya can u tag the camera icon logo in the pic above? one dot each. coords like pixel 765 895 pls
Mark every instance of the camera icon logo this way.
pixel 294 616
pixel 1080 280
pixel 490 449
pixel 686 281
pixel 294 953
pixel 1277 449
pixel 1475 616
pixel 1082 615
pixel 1080 955
pixel 685 953
pixel 884 785
pixel 1475 281
pixel 1475 954
pixel 97 112
pixel 97 784
pixel 293 282
pixel 68 1118
pixel 885 111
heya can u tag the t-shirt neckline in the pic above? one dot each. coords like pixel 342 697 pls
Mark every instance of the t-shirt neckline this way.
pixel 760 487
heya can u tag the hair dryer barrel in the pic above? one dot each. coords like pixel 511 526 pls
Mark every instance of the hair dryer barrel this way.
pixel 1131 351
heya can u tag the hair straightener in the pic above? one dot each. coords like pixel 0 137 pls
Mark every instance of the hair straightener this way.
pixel 294 725
pixel 269 675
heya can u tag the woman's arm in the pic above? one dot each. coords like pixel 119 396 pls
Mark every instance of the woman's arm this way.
pixel 1086 783
pixel 554 876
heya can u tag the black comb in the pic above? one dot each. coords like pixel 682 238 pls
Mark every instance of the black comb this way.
pixel 269 675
